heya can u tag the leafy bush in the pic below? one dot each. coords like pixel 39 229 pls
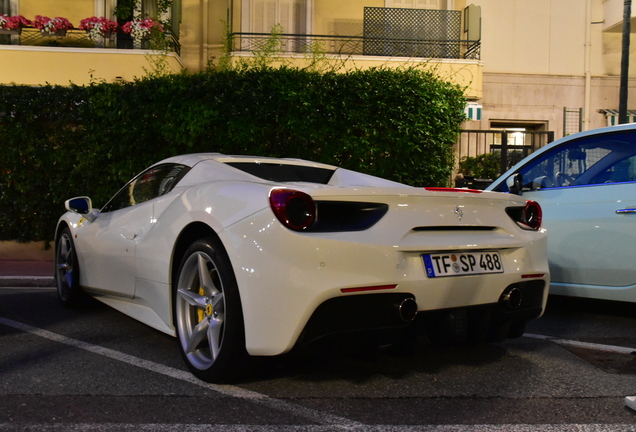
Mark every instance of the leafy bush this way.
pixel 484 166
pixel 58 142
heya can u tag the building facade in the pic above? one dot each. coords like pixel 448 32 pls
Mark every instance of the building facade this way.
pixel 536 69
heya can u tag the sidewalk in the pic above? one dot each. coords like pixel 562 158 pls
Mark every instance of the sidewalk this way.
pixel 26 264
pixel 26 273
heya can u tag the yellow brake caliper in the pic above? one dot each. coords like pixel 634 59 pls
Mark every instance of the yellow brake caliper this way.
pixel 201 312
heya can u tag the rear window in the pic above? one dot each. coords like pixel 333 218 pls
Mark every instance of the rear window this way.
pixel 284 172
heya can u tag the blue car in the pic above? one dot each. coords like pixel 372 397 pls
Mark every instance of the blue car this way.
pixel 586 186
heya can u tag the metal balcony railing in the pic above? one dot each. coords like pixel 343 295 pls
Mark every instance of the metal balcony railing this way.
pixel 358 45
pixel 511 146
pixel 78 39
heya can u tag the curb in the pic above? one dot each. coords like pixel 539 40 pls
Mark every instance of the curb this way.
pixel 26 281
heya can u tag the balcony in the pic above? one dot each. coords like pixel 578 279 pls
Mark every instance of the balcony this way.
pixel 391 37
pixel 613 16
pixel 35 59
pixel 360 45
pixel 388 32
pixel 78 39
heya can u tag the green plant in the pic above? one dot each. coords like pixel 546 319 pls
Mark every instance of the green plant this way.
pixel 225 60
pixel 124 9
pixel 59 142
pixel 268 51
pixel 484 166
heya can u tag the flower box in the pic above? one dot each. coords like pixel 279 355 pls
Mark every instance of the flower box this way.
pixel 57 26
pixel 98 28
pixel 56 33
pixel 16 31
pixel 13 24
pixel 142 29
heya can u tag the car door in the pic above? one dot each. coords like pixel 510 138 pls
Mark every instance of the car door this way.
pixel 587 190
pixel 591 233
pixel 110 264
pixel 111 240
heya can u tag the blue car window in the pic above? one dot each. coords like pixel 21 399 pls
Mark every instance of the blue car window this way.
pixel 592 160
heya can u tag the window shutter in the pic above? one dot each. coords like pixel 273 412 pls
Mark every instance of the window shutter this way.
pixel 291 14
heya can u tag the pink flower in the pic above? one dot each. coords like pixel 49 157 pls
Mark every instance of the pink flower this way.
pixel 105 24
pixel 140 29
pixel 48 25
pixel 96 27
pixel 13 22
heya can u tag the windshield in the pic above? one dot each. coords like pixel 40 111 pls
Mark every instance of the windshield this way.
pixel 593 160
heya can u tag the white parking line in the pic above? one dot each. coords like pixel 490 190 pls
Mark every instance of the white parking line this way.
pixel 324 421
pixel 587 345
pixel 630 401
pixel 311 415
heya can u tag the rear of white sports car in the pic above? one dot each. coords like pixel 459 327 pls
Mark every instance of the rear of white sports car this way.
pixel 242 256
pixel 322 260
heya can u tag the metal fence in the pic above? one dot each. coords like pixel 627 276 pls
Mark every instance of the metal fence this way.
pixel 412 32
pixel 572 120
pixel 395 32
pixel 512 146
pixel 356 45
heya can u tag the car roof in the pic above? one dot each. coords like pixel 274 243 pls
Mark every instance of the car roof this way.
pixel 194 158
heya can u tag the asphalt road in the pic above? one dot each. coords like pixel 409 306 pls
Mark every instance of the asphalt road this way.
pixel 96 369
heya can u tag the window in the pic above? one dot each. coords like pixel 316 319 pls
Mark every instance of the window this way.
pixel 152 183
pixel 599 159
pixel 284 172
pixel 260 16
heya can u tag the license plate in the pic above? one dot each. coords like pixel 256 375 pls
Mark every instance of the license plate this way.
pixel 461 264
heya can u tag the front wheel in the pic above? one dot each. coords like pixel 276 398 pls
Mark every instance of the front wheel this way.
pixel 208 315
pixel 67 270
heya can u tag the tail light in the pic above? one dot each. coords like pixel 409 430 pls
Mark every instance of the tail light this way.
pixel 528 217
pixel 532 215
pixel 294 209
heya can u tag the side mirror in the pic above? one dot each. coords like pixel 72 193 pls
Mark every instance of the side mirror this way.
pixel 515 183
pixel 81 205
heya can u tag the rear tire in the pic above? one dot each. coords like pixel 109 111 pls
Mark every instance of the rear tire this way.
pixel 208 315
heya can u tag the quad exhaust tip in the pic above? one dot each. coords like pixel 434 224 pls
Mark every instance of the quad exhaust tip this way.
pixel 511 298
pixel 407 309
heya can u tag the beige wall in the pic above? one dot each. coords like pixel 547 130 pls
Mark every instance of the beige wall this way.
pixel 62 66
pixel 465 73
pixel 541 98
pixel 344 18
pixel 533 37
pixel 534 56
pixel 547 37
pixel 73 10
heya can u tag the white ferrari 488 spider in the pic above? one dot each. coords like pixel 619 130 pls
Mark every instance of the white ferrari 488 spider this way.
pixel 246 256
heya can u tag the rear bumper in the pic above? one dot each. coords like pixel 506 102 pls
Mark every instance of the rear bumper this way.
pixel 479 323
pixel 285 277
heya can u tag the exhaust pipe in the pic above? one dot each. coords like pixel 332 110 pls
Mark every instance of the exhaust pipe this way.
pixel 511 298
pixel 407 309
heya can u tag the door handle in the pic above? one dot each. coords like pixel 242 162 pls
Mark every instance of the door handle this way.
pixel 626 210
pixel 129 235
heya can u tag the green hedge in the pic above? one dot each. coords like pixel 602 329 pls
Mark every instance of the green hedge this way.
pixel 59 142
